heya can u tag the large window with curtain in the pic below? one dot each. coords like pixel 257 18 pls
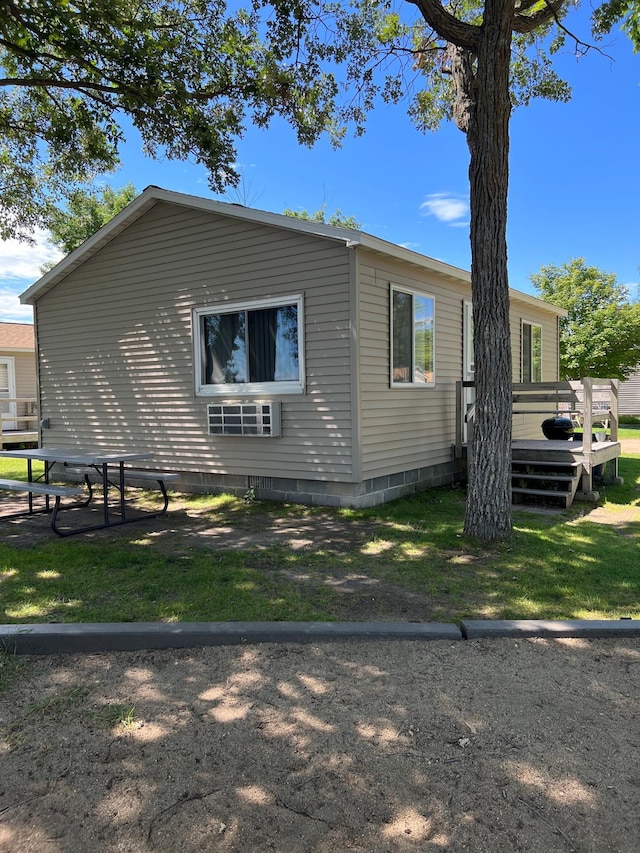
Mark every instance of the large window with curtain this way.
pixel 250 348
pixel 412 343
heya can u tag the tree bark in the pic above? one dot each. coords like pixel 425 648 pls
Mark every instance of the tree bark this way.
pixel 488 514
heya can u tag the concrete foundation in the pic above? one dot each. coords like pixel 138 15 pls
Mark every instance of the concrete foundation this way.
pixel 371 492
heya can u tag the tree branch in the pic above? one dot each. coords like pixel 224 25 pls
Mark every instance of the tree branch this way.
pixel 529 23
pixel 56 83
pixel 553 8
pixel 524 6
pixel 447 26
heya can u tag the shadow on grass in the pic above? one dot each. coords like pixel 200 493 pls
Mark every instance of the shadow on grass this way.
pixel 221 559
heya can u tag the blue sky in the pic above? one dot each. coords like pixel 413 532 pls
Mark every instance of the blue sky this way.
pixel 574 181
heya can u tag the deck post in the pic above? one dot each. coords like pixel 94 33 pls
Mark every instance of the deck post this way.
pixel 587 384
pixel 613 425
pixel 615 390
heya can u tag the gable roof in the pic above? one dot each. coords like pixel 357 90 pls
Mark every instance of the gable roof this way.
pixel 17 336
pixel 153 195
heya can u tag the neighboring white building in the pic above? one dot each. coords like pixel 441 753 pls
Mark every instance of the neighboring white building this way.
pixel 17 382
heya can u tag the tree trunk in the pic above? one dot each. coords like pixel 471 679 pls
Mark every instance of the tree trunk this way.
pixel 488 515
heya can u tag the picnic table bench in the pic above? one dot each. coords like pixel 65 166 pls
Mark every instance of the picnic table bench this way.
pixel 40 488
pixel 130 475
pixel 49 490
pixel 111 473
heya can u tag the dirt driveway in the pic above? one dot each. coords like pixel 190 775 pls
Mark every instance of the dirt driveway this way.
pixel 498 745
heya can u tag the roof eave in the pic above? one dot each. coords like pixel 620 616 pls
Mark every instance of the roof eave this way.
pixel 351 239
pixel 89 248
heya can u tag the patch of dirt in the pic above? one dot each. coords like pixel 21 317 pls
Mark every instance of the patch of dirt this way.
pixel 498 745
pixel 630 445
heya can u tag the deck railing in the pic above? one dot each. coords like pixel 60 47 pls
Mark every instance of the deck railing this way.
pixel 588 402
pixel 18 415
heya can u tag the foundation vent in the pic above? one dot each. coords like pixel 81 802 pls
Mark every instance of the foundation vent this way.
pixel 260 482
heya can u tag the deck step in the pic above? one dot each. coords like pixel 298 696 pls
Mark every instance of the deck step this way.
pixel 543 493
pixel 545 464
pixel 549 494
pixel 542 478
pixel 556 478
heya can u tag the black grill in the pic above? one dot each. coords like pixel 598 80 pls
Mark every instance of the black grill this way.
pixel 557 429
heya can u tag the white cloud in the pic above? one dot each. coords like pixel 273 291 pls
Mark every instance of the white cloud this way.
pixel 20 260
pixel 449 209
pixel 11 311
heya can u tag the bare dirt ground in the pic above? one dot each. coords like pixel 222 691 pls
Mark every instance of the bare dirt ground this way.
pixel 486 746
pixel 490 746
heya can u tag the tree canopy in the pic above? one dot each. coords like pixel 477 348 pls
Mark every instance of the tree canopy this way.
pixel 188 74
pixel 185 73
pixel 85 212
pixel 600 336
pixel 320 215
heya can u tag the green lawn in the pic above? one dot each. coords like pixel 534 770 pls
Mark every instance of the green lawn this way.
pixel 629 431
pixel 555 566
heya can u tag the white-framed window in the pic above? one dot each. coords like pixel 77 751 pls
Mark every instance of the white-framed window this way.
pixel 250 348
pixel 531 352
pixel 412 338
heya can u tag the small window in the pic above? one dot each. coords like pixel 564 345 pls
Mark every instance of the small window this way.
pixel 531 352
pixel 255 348
pixel 412 345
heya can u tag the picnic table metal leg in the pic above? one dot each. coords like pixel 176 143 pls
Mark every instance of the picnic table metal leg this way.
pixel 123 511
pixel 105 493
pixel 30 479
pixel 54 516
pixel 165 496
pixel 87 482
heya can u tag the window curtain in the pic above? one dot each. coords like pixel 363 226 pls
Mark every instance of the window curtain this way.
pixel 224 336
pixel 263 333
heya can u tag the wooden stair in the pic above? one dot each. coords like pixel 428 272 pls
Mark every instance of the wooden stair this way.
pixel 535 481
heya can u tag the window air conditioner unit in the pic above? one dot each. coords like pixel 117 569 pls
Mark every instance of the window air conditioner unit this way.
pixel 255 419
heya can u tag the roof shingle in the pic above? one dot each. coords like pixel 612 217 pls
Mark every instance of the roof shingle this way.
pixel 16 336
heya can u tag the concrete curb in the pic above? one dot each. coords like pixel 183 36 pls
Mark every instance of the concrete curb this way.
pixel 475 629
pixel 136 636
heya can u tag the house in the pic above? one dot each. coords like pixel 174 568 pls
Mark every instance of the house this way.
pixel 18 401
pixel 629 399
pixel 251 350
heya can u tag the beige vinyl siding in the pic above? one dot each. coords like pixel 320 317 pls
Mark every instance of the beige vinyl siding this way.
pixel 116 346
pixel 629 396
pixel 412 427
pixel 407 428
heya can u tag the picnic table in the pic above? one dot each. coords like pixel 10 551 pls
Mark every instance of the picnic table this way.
pixel 107 466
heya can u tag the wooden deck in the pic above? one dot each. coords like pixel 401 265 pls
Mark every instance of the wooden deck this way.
pixel 18 421
pixel 566 451
pixel 543 468
pixel 18 436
